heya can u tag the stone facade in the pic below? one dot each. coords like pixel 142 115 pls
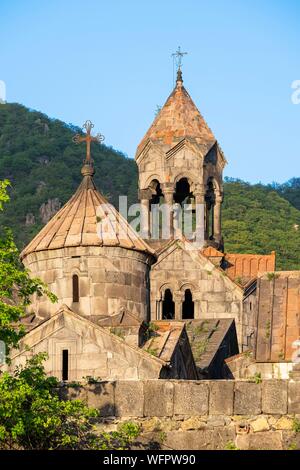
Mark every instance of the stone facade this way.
pixel 109 278
pixel 92 350
pixel 78 348
pixel 179 268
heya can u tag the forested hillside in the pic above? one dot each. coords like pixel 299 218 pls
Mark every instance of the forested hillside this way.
pixel 257 219
pixel 43 164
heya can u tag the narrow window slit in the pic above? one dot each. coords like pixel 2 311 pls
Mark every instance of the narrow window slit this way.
pixel 65 364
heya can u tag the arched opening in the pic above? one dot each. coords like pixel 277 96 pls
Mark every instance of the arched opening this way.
pixel 168 307
pixel 188 306
pixel 183 194
pixel 157 195
pixel 210 200
pixel 185 219
pixel 75 288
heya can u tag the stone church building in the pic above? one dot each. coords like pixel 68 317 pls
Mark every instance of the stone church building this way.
pixel 136 306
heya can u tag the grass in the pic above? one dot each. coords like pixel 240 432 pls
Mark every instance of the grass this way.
pixel 272 276
pixel 296 425
pixel 256 378
pixel 118 332
pixel 152 352
pixel 230 445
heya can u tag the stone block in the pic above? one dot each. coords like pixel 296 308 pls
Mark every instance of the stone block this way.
pixel 195 422
pixel 221 397
pixel 101 397
pixel 129 398
pixel 247 398
pixel 199 440
pixel 274 397
pixel 284 423
pixel 294 397
pixel 158 398
pixel 260 441
pixel 73 393
pixel 191 398
pixel 260 424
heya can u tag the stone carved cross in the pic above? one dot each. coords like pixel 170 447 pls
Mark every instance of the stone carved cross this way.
pixel 88 138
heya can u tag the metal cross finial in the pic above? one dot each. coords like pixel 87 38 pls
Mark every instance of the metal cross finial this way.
pixel 88 138
pixel 177 57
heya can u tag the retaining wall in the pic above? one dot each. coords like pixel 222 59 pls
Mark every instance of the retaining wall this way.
pixel 195 415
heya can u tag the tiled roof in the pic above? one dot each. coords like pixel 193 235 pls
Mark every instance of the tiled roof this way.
pixel 179 118
pixel 87 219
pixel 164 339
pixel 205 337
pixel 243 267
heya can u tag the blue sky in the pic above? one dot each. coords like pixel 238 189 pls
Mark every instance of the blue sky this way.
pixel 110 61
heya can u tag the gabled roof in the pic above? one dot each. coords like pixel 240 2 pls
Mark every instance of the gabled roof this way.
pixel 87 219
pixel 164 340
pixel 206 337
pixel 121 318
pixel 197 256
pixel 64 315
pixel 179 118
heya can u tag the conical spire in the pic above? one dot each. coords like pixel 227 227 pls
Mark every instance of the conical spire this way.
pixel 179 118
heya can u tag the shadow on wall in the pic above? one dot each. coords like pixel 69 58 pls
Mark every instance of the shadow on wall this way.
pixel 101 397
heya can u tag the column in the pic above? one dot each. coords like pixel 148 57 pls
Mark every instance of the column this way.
pixel 178 299
pixel 145 228
pixel 217 218
pixel 169 214
pixel 200 216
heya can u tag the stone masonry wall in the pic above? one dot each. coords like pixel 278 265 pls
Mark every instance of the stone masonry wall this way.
pixel 109 278
pixel 201 415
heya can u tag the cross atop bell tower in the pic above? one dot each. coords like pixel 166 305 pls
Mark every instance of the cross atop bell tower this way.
pixel 177 60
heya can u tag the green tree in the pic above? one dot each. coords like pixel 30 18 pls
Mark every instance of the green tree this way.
pixel 33 416
pixel 16 286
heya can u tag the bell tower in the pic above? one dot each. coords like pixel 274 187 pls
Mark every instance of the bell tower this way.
pixel 180 162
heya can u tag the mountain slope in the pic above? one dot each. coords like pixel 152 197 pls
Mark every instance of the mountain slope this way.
pixel 256 219
pixel 38 156
pixel 43 164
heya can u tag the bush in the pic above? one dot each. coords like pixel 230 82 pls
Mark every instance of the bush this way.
pixel 32 415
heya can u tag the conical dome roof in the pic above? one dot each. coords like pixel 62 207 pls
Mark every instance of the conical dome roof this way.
pixel 87 219
pixel 179 118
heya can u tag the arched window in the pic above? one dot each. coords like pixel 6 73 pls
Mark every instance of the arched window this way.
pixel 183 192
pixel 157 195
pixel 168 308
pixel 184 199
pixel 188 306
pixel 75 288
